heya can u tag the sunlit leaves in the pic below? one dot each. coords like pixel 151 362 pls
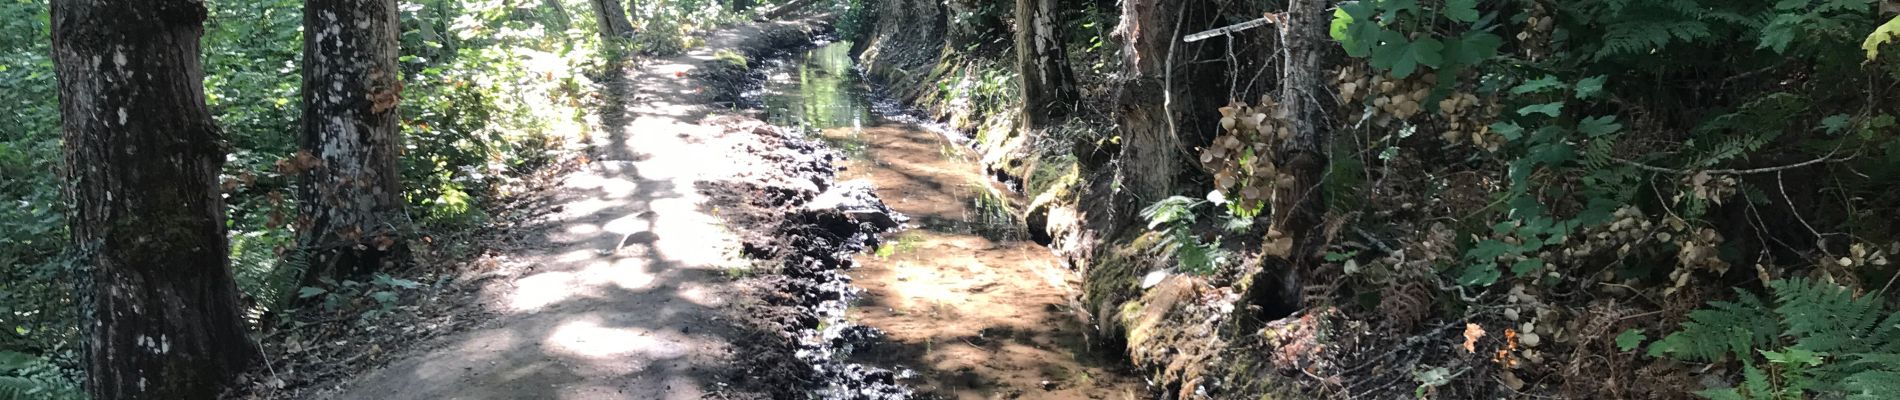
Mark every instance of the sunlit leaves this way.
pixel 1887 32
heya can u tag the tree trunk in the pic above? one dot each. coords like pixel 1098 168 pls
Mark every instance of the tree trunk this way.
pixel 1299 201
pixel 352 196
pixel 1150 153
pixel 1048 83
pixel 612 18
pixel 142 161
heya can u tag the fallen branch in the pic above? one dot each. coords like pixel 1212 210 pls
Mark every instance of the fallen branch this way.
pixel 1230 29
pixel 1652 168
pixel 786 9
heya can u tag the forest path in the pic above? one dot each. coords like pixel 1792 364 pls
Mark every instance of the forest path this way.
pixel 623 300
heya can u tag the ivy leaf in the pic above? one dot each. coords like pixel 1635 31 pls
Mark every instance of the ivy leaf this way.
pixel 1630 339
pixel 1599 126
pixel 308 292
pixel 1552 109
pixel 1548 82
pixel 1526 266
pixel 1590 87
pixel 1393 7
pixel 1889 31
pixel 1461 10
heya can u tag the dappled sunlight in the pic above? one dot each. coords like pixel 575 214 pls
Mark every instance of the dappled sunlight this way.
pixel 586 338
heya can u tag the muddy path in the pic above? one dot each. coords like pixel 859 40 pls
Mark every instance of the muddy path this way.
pixel 961 295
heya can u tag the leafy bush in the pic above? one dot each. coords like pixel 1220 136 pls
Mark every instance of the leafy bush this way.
pixel 1818 340
pixel 24 377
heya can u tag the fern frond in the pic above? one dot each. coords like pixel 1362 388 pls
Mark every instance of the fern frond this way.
pixel 1874 385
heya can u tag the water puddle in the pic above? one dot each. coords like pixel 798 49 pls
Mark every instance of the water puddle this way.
pixel 976 309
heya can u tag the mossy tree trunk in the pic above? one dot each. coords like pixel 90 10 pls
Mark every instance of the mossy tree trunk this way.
pixel 142 161
pixel 352 194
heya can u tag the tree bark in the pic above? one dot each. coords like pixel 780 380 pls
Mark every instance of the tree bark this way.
pixel 1299 201
pixel 142 161
pixel 1150 153
pixel 1048 83
pixel 612 18
pixel 352 195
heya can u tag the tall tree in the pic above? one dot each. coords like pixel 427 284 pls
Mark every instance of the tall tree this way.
pixel 142 162
pixel 1048 83
pixel 352 195
pixel 612 18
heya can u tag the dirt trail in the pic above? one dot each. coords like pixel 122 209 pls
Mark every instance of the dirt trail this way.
pixel 624 300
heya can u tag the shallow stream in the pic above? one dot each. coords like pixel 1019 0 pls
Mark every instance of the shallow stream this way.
pixel 965 300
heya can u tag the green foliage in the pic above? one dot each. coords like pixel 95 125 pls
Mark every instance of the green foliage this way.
pixel 1173 218
pixel 1386 34
pixel 1887 32
pixel 1817 340
pixel 24 377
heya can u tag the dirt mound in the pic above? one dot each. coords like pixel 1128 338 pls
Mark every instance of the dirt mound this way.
pixel 798 303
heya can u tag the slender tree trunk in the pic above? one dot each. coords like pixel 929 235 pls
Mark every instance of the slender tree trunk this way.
pixel 352 195
pixel 1299 201
pixel 1150 153
pixel 612 18
pixel 1048 83
pixel 142 162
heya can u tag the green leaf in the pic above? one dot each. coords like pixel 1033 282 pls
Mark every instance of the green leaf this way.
pixel 1889 31
pixel 1461 10
pixel 1480 274
pixel 1599 126
pixel 310 291
pixel 1835 124
pixel 1548 82
pixel 1472 48
pixel 1526 266
pixel 1359 33
pixel 1403 57
pixel 1429 52
pixel 1630 339
pixel 384 297
pixel 1590 87
pixel 1509 130
pixel 1552 109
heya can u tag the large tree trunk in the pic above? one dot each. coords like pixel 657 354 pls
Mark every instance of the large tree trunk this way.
pixel 612 18
pixel 1048 83
pixel 142 162
pixel 352 195
pixel 1151 156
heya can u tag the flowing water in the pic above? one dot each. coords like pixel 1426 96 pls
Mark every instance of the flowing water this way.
pixel 966 301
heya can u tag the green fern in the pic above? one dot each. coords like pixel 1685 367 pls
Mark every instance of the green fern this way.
pixel 1174 218
pixel 1751 127
pixel 1818 339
